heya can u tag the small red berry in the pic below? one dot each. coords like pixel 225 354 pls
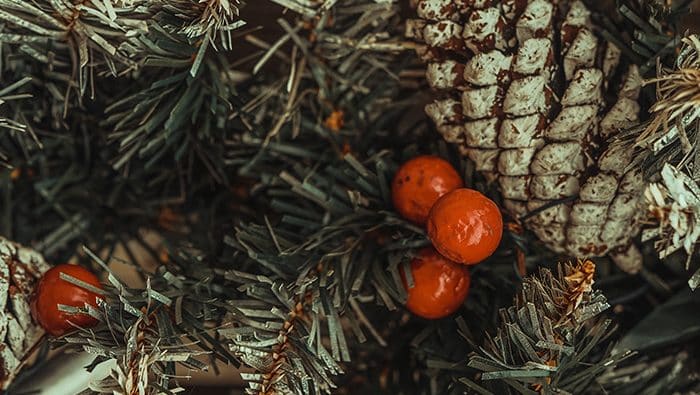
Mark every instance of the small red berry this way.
pixel 52 291
pixel 465 226
pixel 440 286
pixel 419 183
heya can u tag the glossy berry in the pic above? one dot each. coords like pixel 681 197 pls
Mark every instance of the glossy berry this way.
pixel 52 291
pixel 419 183
pixel 440 285
pixel 465 226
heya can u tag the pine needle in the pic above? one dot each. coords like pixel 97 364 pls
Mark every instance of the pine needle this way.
pixel 678 103
pixel 544 339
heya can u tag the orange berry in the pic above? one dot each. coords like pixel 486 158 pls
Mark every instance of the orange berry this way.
pixel 465 226
pixel 419 183
pixel 440 286
pixel 52 291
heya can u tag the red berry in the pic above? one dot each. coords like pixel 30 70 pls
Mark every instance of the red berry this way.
pixel 419 183
pixel 465 226
pixel 52 291
pixel 440 286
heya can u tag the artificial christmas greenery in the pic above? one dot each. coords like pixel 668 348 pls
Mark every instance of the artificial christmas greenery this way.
pixel 241 158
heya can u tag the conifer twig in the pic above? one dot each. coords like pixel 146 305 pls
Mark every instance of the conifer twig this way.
pixel 544 341
pixel 678 104
pixel 148 331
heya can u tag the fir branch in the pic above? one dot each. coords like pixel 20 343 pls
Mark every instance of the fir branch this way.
pixel 79 39
pixel 176 116
pixel 182 33
pixel 141 55
pixel 186 89
pixel 331 244
pixel 150 331
pixel 545 341
pixel 666 351
pixel 272 342
pixel 324 74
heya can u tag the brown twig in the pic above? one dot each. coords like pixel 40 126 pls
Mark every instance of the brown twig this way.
pixel 279 353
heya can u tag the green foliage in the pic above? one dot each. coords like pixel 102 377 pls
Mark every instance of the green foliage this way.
pixel 112 111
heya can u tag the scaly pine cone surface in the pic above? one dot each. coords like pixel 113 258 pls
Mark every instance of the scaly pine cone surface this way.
pixel 20 270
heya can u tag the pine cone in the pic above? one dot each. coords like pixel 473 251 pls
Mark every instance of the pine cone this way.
pixel 20 269
pixel 531 95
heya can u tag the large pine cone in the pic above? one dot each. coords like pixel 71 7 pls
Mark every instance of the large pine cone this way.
pixel 532 95
pixel 20 270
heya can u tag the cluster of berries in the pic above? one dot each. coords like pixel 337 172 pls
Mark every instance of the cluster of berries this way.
pixel 464 226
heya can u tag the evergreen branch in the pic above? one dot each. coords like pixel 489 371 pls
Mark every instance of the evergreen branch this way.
pixel 272 343
pixel 171 112
pixel 182 33
pixel 670 137
pixel 182 111
pixel 331 244
pixel 666 351
pixel 546 340
pixel 145 330
pixel 64 189
pixel 179 115
pixel 81 39
pixel 324 75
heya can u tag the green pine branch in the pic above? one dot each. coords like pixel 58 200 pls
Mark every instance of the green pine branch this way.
pixel 145 87
pixel 334 242
pixel 172 321
pixel 74 42
pixel 552 339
